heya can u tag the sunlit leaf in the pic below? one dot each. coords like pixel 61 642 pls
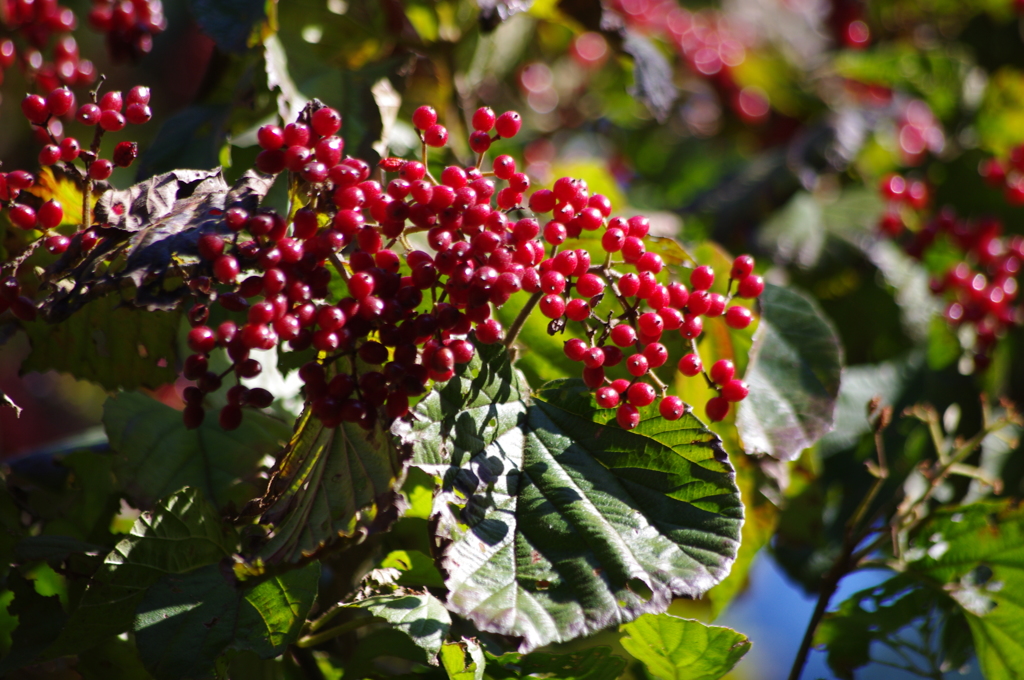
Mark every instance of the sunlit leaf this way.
pixel 681 649
pixel 420 616
pixel 556 523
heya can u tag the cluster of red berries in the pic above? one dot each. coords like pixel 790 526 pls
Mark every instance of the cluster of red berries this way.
pixel 106 115
pixel 904 199
pixel 48 66
pixel 650 309
pixel 1006 174
pixel 129 25
pixel 981 286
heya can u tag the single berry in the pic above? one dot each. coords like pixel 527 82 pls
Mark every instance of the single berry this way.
pixel 738 317
pixel 483 119
pixel 627 416
pixel 672 408
pixel 735 390
pixel 508 124
pixel 717 409
pixel 424 117
pixel 435 136
pixel 722 371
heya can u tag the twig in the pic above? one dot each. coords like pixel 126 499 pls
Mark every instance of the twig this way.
pixel 517 325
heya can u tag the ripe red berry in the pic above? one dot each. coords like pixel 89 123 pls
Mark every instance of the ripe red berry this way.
pixel 738 317
pixel 112 121
pixel 22 216
pixel 88 114
pixel 672 408
pixel 575 349
pixel 59 101
pixel 483 119
pixel 751 286
pixel 702 277
pixel 424 117
pixel 325 121
pixel 690 365
pixel 607 397
pixel 552 306
pixel 125 154
pixel 479 141
pixel 641 394
pixel 717 408
pixel 742 267
pixel 637 365
pixel 508 124
pixel 735 390
pixel 722 371
pixel 435 136
pixel 627 416
pixel 35 109
pixel 270 137
pixel 50 214
pixel 137 114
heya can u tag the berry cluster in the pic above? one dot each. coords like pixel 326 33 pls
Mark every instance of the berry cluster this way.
pixel 129 25
pixel 47 65
pixel 649 309
pixel 1006 174
pixel 981 284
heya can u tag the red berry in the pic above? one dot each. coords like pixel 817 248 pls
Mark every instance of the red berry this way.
pixel 270 137
pixel 112 121
pixel 137 114
pixel 50 214
pixel 722 371
pixel 435 136
pixel 35 109
pixel 125 154
pixel 717 408
pixel 424 117
pixel 637 365
pixel 59 101
pixel 100 169
pixel 111 101
pixel 623 335
pixel 230 417
pixel 552 306
pixel 742 266
pixel 690 365
pixel 607 397
pixel 22 216
pixel 738 317
pixel 751 286
pixel 627 416
pixel 201 339
pixel 483 119
pixel 508 124
pixel 641 394
pixel 735 390
pixel 88 114
pixel 325 121
pixel 672 408
pixel 575 349
pixel 702 277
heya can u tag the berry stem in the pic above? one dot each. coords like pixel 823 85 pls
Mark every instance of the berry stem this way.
pixel 339 266
pixel 517 325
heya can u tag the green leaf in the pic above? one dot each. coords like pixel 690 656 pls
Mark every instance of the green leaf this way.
pixel 977 553
pixel 420 616
pixel 793 376
pixel 463 660
pixel 109 344
pixel 557 523
pixel 230 22
pixel 186 621
pixel 591 663
pixel 417 569
pixel 682 649
pixel 183 533
pixel 40 620
pixel 157 455
pixel 115 659
pixel 329 485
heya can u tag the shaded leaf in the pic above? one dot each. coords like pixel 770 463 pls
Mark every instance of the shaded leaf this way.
pixel 794 377
pixel 108 343
pixel 115 659
pixel 420 616
pixel 204 614
pixel 191 138
pixel 39 548
pixel 40 620
pixel 681 649
pixel 556 523
pixel 463 660
pixel 150 225
pixel 183 533
pixel 157 455
pixel 330 484
pixel 229 22
pixel 653 81
pixel 592 663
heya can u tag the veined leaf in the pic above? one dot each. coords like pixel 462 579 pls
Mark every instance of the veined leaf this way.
pixel 681 649
pixel 556 524
pixel 420 616
pixel 186 621
pixel 793 375
pixel 330 484
pixel 592 663
pixel 183 533
pixel 156 454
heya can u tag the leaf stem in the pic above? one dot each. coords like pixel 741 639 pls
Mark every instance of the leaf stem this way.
pixel 517 325
pixel 319 638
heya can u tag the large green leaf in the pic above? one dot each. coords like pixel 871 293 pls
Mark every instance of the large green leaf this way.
pixel 556 523
pixel 793 376
pixel 181 534
pixel 683 649
pixel 185 621
pixel 157 455
pixel 977 553
pixel 420 616
pixel 115 346
pixel 330 484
